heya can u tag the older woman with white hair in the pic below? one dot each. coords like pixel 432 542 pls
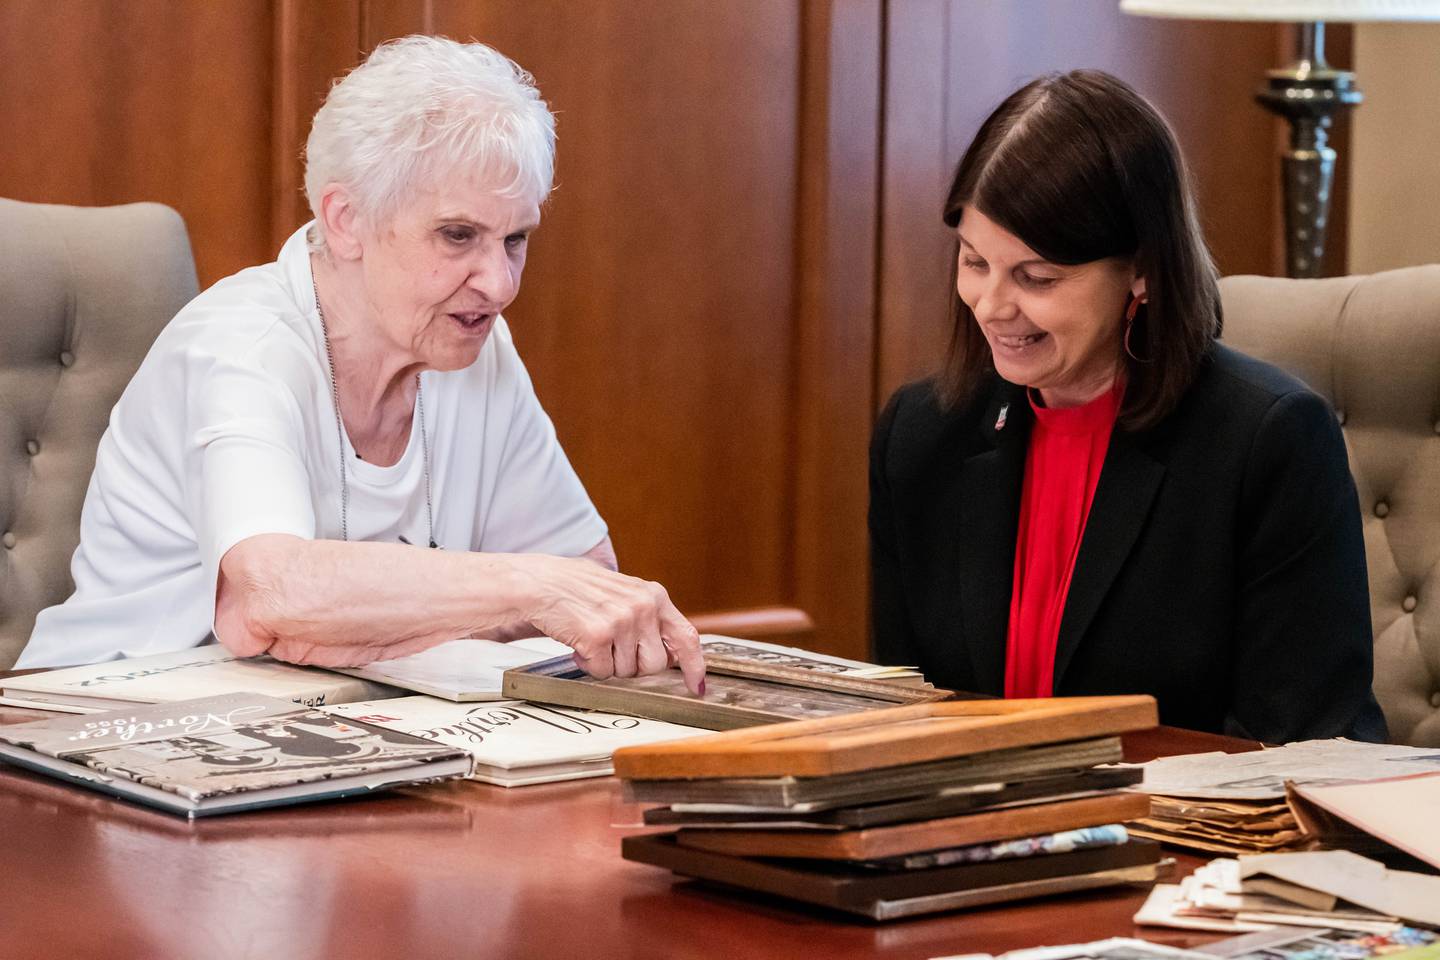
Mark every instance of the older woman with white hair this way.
pixel 302 430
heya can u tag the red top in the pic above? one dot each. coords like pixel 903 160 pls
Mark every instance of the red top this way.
pixel 1062 468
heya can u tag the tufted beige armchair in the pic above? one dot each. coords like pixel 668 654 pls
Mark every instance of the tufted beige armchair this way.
pixel 1371 346
pixel 83 294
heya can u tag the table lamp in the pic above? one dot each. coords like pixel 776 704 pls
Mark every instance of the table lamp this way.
pixel 1307 93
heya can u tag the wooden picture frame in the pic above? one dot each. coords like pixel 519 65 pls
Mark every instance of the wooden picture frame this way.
pixel 884 784
pixel 887 738
pixel 951 802
pixel 875 843
pixel 889 895
pixel 740 692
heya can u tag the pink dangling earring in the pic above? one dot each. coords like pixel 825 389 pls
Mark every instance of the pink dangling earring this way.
pixel 1130 311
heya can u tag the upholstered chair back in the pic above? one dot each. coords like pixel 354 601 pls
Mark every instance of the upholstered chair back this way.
pixel 1371 346
pixel 83 294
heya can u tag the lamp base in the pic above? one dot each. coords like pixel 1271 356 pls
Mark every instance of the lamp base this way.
pixel 1309 98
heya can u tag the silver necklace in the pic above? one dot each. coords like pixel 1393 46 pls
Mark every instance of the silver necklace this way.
pixel 340 438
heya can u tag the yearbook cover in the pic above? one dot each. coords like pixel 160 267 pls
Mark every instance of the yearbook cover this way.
pixel 226 753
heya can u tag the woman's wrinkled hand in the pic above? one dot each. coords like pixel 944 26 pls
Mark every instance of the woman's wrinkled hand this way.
pixel 618 625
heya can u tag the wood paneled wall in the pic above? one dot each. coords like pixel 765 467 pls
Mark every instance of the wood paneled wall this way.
pixel 743 254
pixel 103 102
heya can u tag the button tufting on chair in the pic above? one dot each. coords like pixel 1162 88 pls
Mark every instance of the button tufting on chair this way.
pixel 102 281
pixel 1371 346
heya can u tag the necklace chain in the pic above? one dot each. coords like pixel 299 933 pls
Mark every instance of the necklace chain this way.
pixel 340 437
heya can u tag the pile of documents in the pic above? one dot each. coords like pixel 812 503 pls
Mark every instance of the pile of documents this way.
pixel 902 811
pixel 1237 802
pixel 1221 826
pixel 1334 889
pixel 1279 943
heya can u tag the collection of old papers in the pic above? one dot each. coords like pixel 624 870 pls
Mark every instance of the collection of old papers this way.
pixel 1321 905
pixel 1280 943
pixel 1221 826
pixel 1237 803
pixel 1323 888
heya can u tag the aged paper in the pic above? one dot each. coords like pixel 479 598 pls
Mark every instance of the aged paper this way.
pixel 1261 774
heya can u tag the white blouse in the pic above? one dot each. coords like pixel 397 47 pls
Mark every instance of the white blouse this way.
pixel 228 431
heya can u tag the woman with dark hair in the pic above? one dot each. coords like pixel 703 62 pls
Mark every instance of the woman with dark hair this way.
pixel 1095 496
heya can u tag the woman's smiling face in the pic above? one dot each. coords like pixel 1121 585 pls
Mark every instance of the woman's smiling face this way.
pixel 1052 327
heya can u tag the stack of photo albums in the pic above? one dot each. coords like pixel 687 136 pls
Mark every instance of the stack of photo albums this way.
pixel 903 811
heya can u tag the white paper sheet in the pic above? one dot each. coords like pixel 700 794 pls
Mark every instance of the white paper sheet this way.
pixel 1414 897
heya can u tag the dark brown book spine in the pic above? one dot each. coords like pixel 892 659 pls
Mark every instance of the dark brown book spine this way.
pixel 874 843
pixel 846 887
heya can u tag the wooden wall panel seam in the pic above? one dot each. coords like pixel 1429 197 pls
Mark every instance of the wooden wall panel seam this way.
pixel 798 304
pixel 877 253
pixel 284 106
pixel 839 187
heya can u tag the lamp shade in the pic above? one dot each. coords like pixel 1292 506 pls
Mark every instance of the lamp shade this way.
pixel 1287 11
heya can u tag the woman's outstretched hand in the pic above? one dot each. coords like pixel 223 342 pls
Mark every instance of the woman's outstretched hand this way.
pixel 618 625
pixel 335 604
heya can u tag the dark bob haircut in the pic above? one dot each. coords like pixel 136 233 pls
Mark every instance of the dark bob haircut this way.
pixel 1080 167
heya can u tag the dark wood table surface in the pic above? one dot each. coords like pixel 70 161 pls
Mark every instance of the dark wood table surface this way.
pixel 448 870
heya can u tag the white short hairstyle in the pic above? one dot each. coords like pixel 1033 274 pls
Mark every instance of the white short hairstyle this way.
pixel 421 109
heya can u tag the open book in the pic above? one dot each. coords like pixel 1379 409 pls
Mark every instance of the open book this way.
pixel 222 754
pixel 203 671
pixel 461 670
pixel 515 743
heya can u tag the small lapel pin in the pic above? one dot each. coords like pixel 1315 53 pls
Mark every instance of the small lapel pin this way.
pixel 1000 420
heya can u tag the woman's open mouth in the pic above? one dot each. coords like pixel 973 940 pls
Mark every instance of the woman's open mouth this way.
pixel 472 322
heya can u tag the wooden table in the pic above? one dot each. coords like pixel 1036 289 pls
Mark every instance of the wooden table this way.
pixel 449 870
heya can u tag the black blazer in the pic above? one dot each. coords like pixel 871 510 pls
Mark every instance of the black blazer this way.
pixel 1221 570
